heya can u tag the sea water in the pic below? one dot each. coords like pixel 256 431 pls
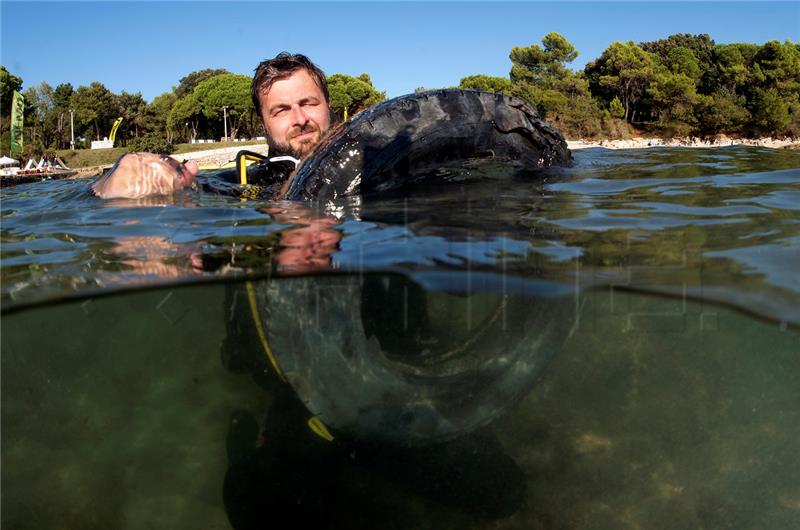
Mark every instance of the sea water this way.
pixel 615 347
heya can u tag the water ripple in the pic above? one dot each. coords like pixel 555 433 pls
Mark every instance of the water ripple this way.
pixel 661 219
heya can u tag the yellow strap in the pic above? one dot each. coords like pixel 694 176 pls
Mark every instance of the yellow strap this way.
pixel 251 297
pixel 242 170
pixel 243 166
pixel 316 425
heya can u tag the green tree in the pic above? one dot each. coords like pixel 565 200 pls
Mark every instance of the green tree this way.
pixel 189 82
pixel 539 75
pixel 723 112
pixel 94 107
pixel 778 66
pixel 542 65
pixel 61 97
pixel 674 98
pixel 624 70
pixel 185 115
pixel 8 84
pixel 133 110
pixel 733 71
pixel 500 85
pixel 702 46
pixel 352 94
pixel 616 108
pixel 770 112
pixel 47 115
pixel 538 71
pixel 156 120
pixel 226 90
pixel 702 49
pixel 681 60
pixel 41 115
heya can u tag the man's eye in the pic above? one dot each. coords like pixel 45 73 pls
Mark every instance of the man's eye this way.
pixel 278 111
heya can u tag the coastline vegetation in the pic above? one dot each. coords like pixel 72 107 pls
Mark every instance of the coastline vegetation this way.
pixel 683 85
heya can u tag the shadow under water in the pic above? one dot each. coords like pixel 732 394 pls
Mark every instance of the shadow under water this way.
pixel 364 400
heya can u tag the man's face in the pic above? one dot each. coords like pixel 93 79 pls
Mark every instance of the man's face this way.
pixel 295 113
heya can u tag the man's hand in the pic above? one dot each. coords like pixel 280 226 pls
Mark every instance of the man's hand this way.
pixel 137 175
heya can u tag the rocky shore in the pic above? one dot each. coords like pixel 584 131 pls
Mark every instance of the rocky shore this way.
pixel 719 141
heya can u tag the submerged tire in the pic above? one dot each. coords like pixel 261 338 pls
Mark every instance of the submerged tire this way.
pixel 426 138
pixel 377 358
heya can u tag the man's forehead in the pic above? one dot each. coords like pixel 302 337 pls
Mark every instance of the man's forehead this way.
pixel 300 72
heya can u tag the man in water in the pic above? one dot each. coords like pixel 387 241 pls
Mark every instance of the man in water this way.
pixel 290 94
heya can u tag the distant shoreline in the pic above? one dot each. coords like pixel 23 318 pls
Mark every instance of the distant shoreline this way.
pixel 721 141
pixel 214 157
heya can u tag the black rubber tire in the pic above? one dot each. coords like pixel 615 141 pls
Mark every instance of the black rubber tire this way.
pixel 419 137
pixel 371 374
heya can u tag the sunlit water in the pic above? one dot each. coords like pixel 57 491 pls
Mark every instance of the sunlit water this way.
pixel 616 347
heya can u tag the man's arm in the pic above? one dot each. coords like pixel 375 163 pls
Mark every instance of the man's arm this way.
pixel 137 175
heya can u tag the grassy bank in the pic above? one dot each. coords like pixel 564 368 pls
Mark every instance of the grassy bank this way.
pixel 104 157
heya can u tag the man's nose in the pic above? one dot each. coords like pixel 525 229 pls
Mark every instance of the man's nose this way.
pixel 298 116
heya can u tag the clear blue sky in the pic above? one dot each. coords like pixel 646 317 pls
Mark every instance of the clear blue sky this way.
pixel 148 46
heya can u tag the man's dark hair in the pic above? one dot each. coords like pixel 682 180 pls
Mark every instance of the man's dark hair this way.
pixel 283 65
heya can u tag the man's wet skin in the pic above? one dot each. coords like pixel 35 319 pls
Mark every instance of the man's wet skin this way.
pixel 137 175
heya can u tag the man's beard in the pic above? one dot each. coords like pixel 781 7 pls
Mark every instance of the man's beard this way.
pixel 299 151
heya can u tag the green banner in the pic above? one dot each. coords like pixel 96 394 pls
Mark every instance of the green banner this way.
pixel 17 116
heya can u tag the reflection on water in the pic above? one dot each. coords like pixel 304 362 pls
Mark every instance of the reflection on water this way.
pixel 161 409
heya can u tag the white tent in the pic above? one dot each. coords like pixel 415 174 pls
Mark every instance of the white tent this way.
pixel 7 162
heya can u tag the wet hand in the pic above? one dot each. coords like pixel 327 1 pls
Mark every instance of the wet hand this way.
pixel 137 175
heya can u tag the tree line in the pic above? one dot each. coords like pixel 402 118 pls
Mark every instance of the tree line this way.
pixel 681 85
pixel 192 109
